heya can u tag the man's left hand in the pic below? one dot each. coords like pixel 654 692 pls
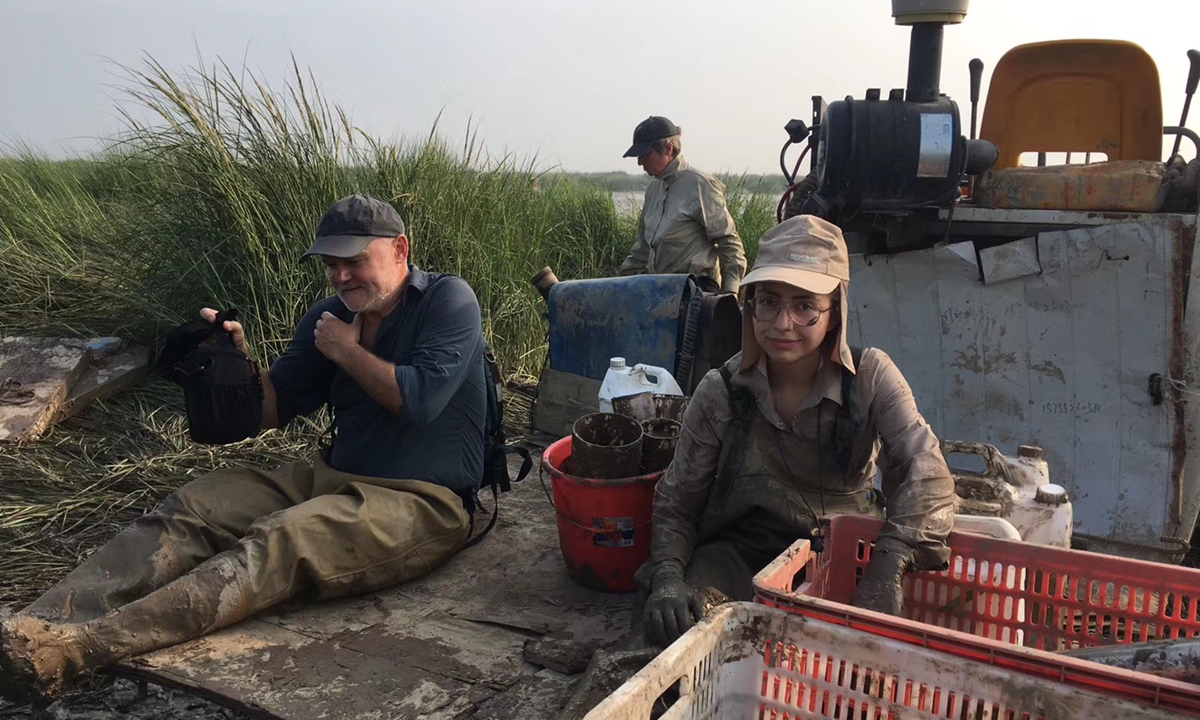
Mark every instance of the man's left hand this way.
pixel 335 339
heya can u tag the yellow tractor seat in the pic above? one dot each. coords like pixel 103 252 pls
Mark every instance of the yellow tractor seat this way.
pixel 1080 96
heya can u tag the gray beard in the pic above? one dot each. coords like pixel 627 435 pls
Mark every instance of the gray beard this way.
pixel 372 303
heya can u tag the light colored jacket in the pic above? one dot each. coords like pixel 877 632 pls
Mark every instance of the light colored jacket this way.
pixel 686 228
pixel 889 432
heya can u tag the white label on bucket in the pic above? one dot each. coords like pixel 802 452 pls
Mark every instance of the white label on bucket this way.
pixel 613 532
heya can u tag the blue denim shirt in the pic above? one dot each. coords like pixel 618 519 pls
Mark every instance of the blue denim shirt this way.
pixel 435 338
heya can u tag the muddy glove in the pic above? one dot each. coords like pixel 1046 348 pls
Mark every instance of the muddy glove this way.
pixel 880 588
pixel 672 607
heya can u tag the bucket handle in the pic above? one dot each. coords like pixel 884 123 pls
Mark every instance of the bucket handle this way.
pixel 592 530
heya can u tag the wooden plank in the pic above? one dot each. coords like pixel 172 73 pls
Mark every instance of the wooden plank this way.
pixel 444 646
pixel 98 349
pixel 562 399
pixel 36 375
pixel 966 213
pixel 105 377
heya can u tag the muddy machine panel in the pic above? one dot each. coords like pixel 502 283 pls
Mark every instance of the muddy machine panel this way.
pixel 1065 324
pixel 1080 341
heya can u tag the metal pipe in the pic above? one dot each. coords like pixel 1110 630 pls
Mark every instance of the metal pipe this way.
pixel 1192 81
pixel 976 68
pixel 814 136
pixel 925 62
pixel 1180 133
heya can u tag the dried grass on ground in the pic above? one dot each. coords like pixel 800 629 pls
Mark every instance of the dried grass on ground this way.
pixel 68 493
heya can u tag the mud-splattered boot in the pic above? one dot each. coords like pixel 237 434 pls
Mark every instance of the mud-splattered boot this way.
pixel 38 658
pixel 42 657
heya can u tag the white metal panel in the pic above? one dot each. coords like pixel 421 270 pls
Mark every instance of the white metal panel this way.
pixel 1010 261
pixel 1189 385
pixel 1060 359
pixel 965 213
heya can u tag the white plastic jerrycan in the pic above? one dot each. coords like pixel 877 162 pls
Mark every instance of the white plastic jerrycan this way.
pixel 621 380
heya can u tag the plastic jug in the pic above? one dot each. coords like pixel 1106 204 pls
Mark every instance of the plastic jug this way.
pixel 622 380
pixel 1016 489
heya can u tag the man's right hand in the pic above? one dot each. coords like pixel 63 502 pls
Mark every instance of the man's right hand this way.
pixel 232 327
pixel 238 334
pixel 672 607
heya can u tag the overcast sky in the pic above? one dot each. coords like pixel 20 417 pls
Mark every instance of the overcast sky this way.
pixel 565 79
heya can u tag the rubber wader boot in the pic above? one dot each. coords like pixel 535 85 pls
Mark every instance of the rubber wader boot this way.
pixel 38 657
pixel 157 548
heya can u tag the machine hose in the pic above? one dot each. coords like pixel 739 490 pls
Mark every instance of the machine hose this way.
pixel 792 186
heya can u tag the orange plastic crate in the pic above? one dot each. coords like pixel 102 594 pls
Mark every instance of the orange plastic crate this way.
pixel 1008 603
pixel 751 662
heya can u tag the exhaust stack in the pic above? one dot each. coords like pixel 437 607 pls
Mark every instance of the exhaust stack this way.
pixel 928 19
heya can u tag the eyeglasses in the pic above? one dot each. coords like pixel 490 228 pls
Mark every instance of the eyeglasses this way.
pixel 806 313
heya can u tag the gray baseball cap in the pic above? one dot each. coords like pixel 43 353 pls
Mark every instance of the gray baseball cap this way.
pixel 652 128
pixel 349 226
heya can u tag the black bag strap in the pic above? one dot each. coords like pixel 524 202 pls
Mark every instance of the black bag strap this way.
pixel 742 406
pixel 496 466
pixel 491 523
pixel 847 424
pixel 526 461
pixel 183 339
pixel 328 436
pixel 502 484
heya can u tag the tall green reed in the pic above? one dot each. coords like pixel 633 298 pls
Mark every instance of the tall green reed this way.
pixel 213 190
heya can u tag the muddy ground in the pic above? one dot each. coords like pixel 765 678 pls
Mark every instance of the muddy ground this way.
pixel 111 698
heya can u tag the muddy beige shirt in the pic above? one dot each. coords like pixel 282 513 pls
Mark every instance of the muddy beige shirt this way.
pixel 686 228
pixel 890 432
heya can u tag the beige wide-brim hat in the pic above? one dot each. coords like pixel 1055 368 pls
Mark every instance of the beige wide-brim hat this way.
pixel 808 253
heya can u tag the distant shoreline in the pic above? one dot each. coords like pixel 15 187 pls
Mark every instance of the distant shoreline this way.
pixel 622 182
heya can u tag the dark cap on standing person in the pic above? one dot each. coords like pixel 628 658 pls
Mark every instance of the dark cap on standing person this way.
pixel 652 128
pixel 349 226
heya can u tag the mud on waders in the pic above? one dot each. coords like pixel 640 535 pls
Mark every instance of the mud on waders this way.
pixel 742 407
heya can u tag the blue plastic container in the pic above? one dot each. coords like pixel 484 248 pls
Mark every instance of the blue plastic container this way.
pixel 639 318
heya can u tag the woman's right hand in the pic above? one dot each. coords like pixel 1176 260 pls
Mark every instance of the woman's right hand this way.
pixel 672 608
pixel 234 328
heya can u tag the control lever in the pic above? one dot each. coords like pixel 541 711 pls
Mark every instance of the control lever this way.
pixel 1192 81
pixel 976 67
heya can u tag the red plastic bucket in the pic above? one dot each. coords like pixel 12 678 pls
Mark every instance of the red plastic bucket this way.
pixel 603 525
